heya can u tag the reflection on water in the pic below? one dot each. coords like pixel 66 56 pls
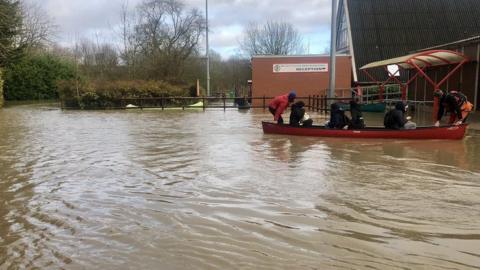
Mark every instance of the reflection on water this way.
pixel 208 190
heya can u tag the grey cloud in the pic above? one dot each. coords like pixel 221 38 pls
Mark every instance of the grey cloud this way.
pixel 85 17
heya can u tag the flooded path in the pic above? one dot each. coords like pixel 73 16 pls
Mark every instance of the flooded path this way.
pixel 208 190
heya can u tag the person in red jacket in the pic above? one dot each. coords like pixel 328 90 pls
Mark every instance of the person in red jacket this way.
pixel 278 105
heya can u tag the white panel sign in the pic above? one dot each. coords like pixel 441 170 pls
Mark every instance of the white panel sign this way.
pixel 393 70
pixel 279 68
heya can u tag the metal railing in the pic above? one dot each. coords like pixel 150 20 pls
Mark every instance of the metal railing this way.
pixel 315 103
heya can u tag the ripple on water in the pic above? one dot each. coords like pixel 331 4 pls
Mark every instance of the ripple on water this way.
pixel 182 190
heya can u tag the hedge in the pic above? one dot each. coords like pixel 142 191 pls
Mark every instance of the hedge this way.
pixel 109 94
pixel 35 77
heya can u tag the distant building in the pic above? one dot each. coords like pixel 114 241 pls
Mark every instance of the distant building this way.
pixel 372 30
pixel 307 74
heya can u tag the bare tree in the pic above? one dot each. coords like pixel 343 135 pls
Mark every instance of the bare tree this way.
pixel 167 35
pixel 272 38
pixel 97 59
pixel 131 44
pixel 10 23
pixel 36 29
pixel 23 26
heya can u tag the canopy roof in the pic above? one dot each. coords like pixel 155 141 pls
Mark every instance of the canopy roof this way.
pixel 430 58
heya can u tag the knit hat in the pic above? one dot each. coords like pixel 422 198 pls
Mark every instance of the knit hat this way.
pixel 292 94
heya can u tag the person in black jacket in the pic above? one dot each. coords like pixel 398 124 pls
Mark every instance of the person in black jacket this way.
pixel 357 117
pixel 454 102
pixel 297 115
pixel 395 118
pixel 338 119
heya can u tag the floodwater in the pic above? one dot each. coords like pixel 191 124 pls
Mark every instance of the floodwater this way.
pixel 208 190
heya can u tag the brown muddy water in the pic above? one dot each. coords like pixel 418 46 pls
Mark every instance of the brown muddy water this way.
pixel 208 190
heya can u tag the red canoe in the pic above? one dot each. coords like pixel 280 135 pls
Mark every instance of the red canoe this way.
pixel 421 133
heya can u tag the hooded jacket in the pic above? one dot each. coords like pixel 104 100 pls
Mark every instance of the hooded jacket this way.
pixel 357 117
pixel 395 118
pixel 297 113
pixel 338 119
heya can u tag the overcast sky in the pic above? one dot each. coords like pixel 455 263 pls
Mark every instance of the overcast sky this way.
pixel 97 18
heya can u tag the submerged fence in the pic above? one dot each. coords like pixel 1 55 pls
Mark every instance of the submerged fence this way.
pixel 313 103
pixel 318 103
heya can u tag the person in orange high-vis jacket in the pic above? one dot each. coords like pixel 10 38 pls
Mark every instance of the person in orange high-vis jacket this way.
pixel 278 105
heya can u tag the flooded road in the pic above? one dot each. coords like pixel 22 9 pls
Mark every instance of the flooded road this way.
pixel 208 190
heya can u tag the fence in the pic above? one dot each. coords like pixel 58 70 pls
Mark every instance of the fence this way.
pixel 317 103
pixel 314 103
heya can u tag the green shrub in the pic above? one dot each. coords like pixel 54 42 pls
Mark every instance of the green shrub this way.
pixel 35 77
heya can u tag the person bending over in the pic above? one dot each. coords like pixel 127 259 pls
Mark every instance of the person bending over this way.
pixel 278 105
pixel 454 102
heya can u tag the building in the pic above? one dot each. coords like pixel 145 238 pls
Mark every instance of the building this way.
pixel 308 75
pixel 373 30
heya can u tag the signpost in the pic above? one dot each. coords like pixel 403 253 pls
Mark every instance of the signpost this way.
pixel 208 50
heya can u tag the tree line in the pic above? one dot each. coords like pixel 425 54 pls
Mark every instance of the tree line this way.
pixel 158 40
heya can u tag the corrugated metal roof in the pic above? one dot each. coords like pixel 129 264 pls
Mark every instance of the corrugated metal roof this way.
pixel 383 29
pixel 461 42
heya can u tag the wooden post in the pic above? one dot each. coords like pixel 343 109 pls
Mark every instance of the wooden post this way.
pixel 141 103
pixel 203 101
pixel 183 104
pixel 322 103
pixel 325 102
pixel 319 103
pixel 162 102
pixel 309 104
pixel 263 102
pixel 224 104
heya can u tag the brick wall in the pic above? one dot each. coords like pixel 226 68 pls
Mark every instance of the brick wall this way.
pixel 268 83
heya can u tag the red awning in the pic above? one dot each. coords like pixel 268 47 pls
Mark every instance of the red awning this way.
pixel 430 58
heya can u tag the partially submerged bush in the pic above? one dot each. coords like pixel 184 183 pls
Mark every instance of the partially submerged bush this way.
pixel 109 94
